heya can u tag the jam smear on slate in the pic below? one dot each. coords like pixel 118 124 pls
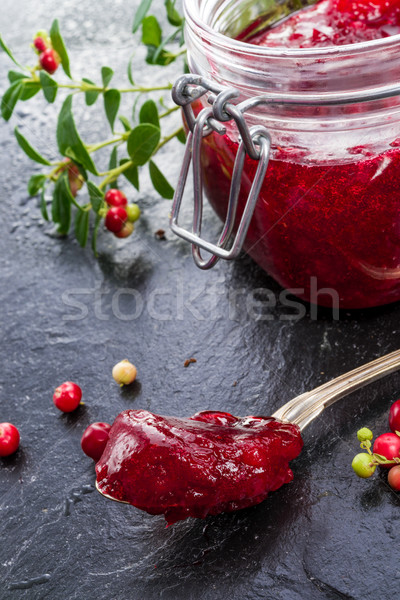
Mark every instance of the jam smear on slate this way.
pixel 203 465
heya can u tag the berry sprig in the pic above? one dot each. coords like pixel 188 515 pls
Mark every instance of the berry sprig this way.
pixel 135 145
pixel 385 451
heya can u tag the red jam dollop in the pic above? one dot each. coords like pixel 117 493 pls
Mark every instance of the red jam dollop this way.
pixel 203 465
pixel 329 231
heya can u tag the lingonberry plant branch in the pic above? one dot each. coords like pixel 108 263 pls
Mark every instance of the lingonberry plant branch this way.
pixel 131 149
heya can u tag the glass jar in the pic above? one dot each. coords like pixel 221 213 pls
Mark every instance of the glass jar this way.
pixel 327 220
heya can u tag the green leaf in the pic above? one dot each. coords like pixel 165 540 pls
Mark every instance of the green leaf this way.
pixel 149 113
pixel 113 162
pixel 59 47
pixel 35 183
pixel 8 51
pixel 163 58
pixel 49 86
pixel 29 89
pixel 112 99
pixel 95 232
pixel 130 76
pixel 10 99
pixel 61 204
pixel 43 205
pixel 181 136
pixel 106 75
pixel 142 142
pixel 151 31
pixel 125 123
pixel 82 226
pixel 69 142
pixel 15 75
pixel 140 14
pixel 159 182
pixel 161 53
pixel 90 96
pixel 96 196
pixel 29 150
pixel 172 14
pixel 134 107
pixel 131 174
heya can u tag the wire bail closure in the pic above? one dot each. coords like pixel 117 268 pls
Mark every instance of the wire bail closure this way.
pixel 254 141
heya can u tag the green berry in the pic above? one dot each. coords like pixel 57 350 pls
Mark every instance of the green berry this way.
pixel 362 465
pixel 364 434
pixel 133 212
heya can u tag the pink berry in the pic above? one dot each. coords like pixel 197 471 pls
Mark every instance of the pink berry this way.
pixel 115 219
pixel 49 60
pixel 67 396
pixel 94 439
pixel 126 230
pixel 394 478
pixel 115 197
pixel 9 439
pixel 39 44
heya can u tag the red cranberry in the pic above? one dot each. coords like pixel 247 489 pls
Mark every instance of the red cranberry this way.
pixel 94 439
pixel 394 478
pixel 126 231
pixel 49 60
pixel 115 219
pixel 39 44
pixel 115 197
pixel 394 416
pixel 9 439
pixel 67 396
pixel 388 445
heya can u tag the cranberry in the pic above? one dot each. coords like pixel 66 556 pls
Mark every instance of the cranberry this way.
pixel 388 445
pixel 39 44
pixel 394 478
pixel 49 60
pixel 133 212
pixel 126 231
pixel 115 219
pixel 394 416
pixel 362 465
pixel 124 372
pixel 67 396
pixel 115 197
pixel 94 439
pixel 9 439
pixel 192 467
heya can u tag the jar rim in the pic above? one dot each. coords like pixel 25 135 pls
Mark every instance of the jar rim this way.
pixel 193 15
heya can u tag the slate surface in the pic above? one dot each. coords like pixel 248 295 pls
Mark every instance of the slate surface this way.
pixel 65 315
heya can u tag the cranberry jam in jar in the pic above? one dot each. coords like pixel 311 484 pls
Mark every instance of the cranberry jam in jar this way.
pixel 328 212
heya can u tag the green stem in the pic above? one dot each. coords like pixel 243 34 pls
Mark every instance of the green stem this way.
pixel 114 173
pixel 87 87
pixel 167 139
pixel 169 111
pixel 95 147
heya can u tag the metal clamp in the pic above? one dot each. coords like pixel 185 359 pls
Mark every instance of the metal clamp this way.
pixel 254 141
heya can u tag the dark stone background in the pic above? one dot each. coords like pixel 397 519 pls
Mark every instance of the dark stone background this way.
pixel 326 535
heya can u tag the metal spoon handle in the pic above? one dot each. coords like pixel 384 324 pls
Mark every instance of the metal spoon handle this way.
pixel 306 407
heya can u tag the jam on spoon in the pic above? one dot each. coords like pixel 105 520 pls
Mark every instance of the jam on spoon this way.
pixel 210 463
pixel 214 462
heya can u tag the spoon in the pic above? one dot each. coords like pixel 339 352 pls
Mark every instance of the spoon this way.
pixel 303 409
